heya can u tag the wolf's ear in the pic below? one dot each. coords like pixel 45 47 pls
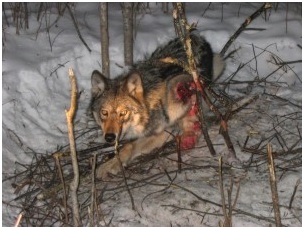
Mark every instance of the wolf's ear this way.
pixel 134 85
pixel 98 83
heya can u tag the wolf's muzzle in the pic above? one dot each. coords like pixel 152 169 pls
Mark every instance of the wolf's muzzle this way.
pixel 110 137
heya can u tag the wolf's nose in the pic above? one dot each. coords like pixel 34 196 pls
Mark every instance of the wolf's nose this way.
pixel 110 137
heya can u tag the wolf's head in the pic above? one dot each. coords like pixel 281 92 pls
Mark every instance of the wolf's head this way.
pixel 118 106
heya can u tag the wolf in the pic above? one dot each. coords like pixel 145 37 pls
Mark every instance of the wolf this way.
pixel 153 100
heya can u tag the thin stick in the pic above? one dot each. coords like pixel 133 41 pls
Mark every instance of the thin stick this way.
pixel 226 217
pixel 18 219
pixel 56 156
pixel 293 194
pixel 248 20
pixel 124 177
pixel 238 211
pixel 93 192
pixel 206 9
pixel 179 162
pixel 69 117
pixel 76 26
pixel 273 185
pixel 204 127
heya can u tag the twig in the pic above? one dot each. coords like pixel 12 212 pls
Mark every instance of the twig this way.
pixel 177 208
pixel 256 61
pixel 69 117
pixel 263 8
pixel 60 65
pixel 39 11
pixel 93 193
pixel 289 62
pixel 18 219
pixel 76 26
pixel 56 156
pixel 293 194
pixel 273 185
pixel 206 9
pixel 178 139
pixel 227 220
pixel 123 171
pixel 258 217
pixel 204 127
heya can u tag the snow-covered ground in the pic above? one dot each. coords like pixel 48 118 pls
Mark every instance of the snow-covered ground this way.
pixel 35 93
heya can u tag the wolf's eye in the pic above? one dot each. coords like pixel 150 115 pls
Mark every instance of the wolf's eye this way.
pixel 123 113
pixel 104 113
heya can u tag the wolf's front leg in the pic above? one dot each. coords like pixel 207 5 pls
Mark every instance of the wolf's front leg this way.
pixel 132 150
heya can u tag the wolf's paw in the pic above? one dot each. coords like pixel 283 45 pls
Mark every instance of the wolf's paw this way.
pixel 188 141
pixel 110 167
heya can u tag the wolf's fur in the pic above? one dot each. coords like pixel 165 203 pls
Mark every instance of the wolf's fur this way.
pixel 145 105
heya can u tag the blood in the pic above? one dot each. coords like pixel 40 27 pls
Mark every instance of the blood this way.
pixel 185 90
pixel 192 132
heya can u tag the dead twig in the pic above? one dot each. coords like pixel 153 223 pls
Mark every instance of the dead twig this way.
pixel 227 216
pixel 122 170
pixel 263 8
pixel 57 160
pixel 236 210
pixel 93 193
pixel 77 28
pixel 18 219
pixel 178 139
pixel 273 186
pixel 293 194
pixel 69 117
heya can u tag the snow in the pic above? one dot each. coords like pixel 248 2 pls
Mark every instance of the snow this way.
pixel 35 93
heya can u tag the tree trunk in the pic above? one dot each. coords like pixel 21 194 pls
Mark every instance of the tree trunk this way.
pixel 128 13
pixel 104 38
pixel 165 7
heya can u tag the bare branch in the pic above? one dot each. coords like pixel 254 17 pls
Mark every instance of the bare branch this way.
pixel 69 117
pixel 273 185
pixel 57 160
pixel 76 26
pixel 248 20
pixel 123 174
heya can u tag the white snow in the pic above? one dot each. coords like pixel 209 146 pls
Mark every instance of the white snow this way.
pixel 36 92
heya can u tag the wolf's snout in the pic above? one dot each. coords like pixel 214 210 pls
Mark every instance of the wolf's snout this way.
pixel 110 137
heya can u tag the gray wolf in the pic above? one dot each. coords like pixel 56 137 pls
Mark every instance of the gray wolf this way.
pixel 149 103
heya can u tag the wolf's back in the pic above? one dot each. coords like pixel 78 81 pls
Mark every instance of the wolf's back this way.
pixel 174 49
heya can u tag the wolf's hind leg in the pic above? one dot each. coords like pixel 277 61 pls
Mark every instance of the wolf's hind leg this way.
pixel 191 127
pixel 132 150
